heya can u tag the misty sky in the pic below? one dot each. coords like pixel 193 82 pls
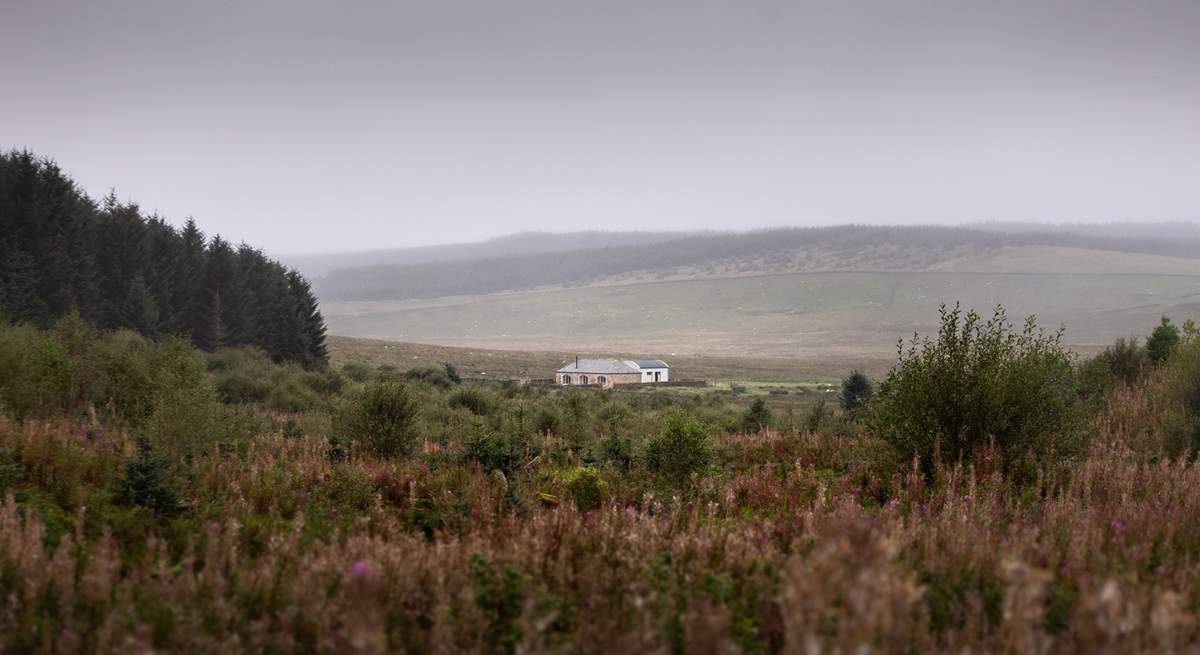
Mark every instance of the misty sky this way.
pixel 306 126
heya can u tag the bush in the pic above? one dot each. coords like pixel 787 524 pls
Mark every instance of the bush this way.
pixel 617 450
pixel 147 482
pixel 473 398
pixel 498 451
pixel 1162 341
pixel 381 418
pixel 1121 363
pixel 356 371
pixel 757 416
pixel 856 392
pixel 293 395
pixel 586 489
pixel 35 372
pixel 239 387
pixel 431 375
pixel 680 449
pixel 977 382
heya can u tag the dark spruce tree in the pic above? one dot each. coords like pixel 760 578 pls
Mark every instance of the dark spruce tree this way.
pixel 62 254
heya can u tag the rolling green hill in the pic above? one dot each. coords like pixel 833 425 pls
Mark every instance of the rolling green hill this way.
pixel 795 314
pixel 842 248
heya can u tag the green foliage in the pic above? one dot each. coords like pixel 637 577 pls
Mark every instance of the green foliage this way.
pixel 680 449
pixel 381 418
pixel 119 268
pixel 948 597
pixel 618 451
pixel 498 451
pixel 147 482
pixel 356 371
pixel 474 398
pixel 757 416
pixel 587 489
pixel 978 381
pixel 36 372
pixel 500 595
pixel 1061 598
pixel 1121 363
pixel 857 390
pixel 452 373
pixel 1162 341
pixel 431 375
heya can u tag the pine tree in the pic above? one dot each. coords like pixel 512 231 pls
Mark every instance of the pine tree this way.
pixel 140 308
pixel 61 253
pixel 18 287
pixel 311 322
pixel 187 283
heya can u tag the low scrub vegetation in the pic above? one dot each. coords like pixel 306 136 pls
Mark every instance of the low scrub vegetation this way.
pixel 995 493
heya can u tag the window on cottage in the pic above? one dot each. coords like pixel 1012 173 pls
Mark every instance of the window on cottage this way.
pixel 566 379
pixel 583 379
pixel 601 380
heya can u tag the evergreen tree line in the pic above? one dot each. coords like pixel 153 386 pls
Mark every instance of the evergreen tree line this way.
pixel 62 252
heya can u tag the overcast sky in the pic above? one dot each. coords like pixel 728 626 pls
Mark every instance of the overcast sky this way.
pixel 308 126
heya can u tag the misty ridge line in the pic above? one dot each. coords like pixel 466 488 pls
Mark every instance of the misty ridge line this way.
pixel 575 266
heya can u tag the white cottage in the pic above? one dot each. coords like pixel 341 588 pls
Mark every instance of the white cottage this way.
pixel 610 372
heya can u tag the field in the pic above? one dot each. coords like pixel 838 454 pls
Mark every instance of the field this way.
pixel 814 317
pixel 533 364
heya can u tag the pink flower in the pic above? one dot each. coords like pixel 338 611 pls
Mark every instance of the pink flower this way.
pixel 360 569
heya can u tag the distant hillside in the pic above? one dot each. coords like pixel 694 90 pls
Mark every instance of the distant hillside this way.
pixel 1158 231
pixel 842 248
pixel 523 243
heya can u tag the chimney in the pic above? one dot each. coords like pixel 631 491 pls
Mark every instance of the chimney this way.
pixel 576 361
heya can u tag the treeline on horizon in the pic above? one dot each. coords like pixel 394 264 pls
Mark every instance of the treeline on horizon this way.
pixel 62 253
pixel 508 273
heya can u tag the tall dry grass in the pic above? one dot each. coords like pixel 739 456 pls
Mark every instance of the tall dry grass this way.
pixel 795 545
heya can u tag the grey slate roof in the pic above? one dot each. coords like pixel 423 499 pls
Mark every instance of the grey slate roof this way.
pixel 600 366
pixel 650 363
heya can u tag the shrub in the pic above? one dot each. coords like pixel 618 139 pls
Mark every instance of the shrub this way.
pixel 856 392
pixel 497 451
pixel 500 596
pixel 680 448
pixel 35 372
pixel 586 489
pixel 293 395
pixel 381 418
pixel 757 416
pixel 978 381
pixel 185 421
pixel 356 371
pixel 431 375
pixel 1162 341
pixel 617 450
pixel 452 373
pixel 473 398
pixel 1123 362
pixel 238 387
pixel 547 419
pixel 147 482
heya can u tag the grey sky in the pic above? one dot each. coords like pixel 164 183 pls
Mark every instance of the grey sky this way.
pixel 303 126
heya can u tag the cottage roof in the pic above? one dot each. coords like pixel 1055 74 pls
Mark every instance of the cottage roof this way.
pixel 650 363
pixel 600 366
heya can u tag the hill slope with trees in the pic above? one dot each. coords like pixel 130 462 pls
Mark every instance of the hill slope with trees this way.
pixel 61 252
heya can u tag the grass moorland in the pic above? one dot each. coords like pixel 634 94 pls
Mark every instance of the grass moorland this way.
pixel 494 364
pixel 816 316
pixel 994 495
